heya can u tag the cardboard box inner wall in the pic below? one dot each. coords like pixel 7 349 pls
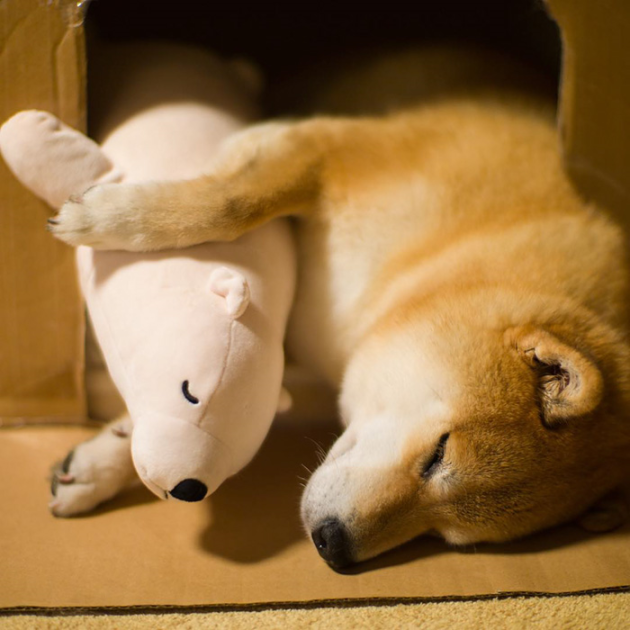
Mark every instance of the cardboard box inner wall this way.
pixel 42 66
pixel 594 114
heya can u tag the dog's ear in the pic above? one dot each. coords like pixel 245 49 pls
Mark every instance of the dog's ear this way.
pixel 569 383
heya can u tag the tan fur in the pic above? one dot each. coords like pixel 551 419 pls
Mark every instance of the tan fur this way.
pixel 451 282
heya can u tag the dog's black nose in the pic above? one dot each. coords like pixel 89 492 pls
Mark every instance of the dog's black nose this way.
pixel 333 543
pixel 189 490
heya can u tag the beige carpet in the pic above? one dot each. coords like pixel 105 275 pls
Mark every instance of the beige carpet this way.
pixel 587 612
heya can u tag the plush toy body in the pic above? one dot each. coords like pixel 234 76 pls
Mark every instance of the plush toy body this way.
pixel 193 338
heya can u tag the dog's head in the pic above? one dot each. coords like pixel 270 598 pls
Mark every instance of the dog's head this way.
pixel 472 433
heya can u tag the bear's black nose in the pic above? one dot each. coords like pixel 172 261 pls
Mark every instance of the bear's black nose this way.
pixel 333 543
pixel 189 490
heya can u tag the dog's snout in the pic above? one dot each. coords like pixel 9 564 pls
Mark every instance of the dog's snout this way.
pixel 332 541
pixel 189 490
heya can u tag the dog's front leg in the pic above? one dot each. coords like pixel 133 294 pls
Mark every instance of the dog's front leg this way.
pixel 267 171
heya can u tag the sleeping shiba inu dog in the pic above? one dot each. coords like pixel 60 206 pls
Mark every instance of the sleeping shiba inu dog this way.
pixel 469 306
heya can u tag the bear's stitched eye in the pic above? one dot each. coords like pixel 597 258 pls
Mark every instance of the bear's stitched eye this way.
pixel 189 397
pixel 438 455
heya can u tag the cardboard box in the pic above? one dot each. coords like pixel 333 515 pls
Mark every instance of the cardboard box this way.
pixel 245 544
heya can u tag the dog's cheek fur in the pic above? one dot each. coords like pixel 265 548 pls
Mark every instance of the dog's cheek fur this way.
pixel 512 474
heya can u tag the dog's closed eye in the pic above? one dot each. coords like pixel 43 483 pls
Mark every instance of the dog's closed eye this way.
pixel 436 459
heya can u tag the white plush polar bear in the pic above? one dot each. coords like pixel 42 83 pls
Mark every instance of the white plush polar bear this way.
pixel 192 338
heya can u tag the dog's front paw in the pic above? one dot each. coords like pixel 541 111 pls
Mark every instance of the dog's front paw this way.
pixel 93 472
pixel 104 217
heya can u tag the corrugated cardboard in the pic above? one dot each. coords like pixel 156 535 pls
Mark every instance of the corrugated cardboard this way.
pixel 245 544
pixel 595 98
pixel 42 66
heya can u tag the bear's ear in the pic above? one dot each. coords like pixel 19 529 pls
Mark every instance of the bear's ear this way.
pixel 569 383
pixel 232 286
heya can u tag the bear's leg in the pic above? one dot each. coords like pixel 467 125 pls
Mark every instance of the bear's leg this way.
pixel 94 471
pixel 51 159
